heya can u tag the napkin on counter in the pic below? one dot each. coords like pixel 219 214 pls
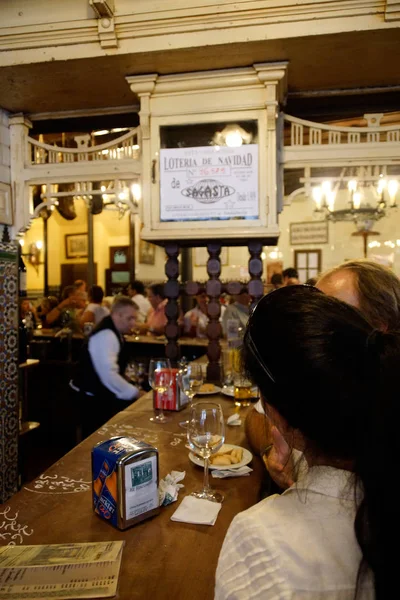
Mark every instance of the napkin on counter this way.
pixel 234 420
pixel 197 511
pixel 238 472
pixel 169 487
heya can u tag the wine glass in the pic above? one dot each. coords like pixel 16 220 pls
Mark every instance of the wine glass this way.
pixel 190 380
pixel 206 434
pixel 160 379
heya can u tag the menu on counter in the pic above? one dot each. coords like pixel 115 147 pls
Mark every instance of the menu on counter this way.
pixel 88 570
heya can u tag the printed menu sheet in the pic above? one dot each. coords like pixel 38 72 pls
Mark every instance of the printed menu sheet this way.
pixel 60 571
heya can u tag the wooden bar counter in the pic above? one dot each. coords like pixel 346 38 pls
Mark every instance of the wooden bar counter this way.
pixel 162 559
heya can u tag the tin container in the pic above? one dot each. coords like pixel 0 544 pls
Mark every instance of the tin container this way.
pixel 125 481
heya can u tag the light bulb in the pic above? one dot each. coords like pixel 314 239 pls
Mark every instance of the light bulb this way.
pixel 326 187
pixel 317 194
pixel 233 139
pixel 39 244
pixel 356 200
pixel 392 188
pixel 352 185
pixel 22 242
pixel 136 191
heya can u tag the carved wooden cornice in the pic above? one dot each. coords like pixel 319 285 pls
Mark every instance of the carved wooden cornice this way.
pixel 222 21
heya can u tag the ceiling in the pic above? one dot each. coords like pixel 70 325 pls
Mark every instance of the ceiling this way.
pixel 319 63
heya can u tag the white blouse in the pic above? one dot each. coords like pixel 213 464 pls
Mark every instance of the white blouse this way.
pixel 297 546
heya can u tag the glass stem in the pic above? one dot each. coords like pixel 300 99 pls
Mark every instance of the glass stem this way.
pixel 206 484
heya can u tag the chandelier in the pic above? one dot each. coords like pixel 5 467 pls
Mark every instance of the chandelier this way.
pixel 368 193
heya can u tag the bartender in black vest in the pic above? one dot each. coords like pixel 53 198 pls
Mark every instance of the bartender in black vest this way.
pixel 100 382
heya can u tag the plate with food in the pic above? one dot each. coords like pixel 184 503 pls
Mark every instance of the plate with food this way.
pixel 228 390
pixel 227 457
pixel 208 388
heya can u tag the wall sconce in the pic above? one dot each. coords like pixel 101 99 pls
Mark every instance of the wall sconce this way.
pixel 33 254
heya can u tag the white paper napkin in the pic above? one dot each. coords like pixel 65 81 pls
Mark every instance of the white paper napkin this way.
pixel 197 511
pixel 234 420
pixel 239 472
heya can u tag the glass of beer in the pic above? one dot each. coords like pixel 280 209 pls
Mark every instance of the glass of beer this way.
pixel 242 390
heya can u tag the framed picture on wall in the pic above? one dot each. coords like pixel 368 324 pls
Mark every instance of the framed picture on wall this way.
pixel 119 258
pixel 76 245
pixel 147 253
pixel 201 256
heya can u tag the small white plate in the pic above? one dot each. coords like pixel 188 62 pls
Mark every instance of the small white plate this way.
pixel 227 390
pixel 216 390
pixel 247 457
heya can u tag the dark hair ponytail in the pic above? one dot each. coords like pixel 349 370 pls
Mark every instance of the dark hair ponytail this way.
pixel 375 460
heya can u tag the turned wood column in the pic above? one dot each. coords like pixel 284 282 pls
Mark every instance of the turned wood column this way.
pixel 255 286
pixel 171 291
pixel 214 329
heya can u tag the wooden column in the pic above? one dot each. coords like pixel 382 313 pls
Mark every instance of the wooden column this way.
pixel 255 286
pixel 171 291
pixel 214 329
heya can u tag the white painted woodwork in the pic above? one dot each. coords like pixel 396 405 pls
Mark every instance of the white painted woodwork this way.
pixel 229 95
pixel 67 30
pixel 34 162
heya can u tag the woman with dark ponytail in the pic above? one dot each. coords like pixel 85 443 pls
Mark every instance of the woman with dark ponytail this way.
pixel 326 535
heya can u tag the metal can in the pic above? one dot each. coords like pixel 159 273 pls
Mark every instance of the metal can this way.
pixel 125 481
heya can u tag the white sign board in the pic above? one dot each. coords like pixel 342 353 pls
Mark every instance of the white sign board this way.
pixel 211 182
pixel 312 232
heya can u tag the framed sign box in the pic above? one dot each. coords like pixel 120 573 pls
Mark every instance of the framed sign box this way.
pixel 210 156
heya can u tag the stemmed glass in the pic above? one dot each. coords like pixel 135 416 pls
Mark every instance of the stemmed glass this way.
pixel 206 434
pixel 160 379
pixel 190 380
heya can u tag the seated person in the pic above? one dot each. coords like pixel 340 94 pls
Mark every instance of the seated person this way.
pixel 94 312
pixel 327 535
pixel 28 313
pixel 375 291
pixel 136 291
pixel 238 311
pixel 45 306
pixel 66 313
pixel 290 276
pixel 196 320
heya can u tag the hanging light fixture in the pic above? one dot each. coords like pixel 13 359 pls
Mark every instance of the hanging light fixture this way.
pixel 368 192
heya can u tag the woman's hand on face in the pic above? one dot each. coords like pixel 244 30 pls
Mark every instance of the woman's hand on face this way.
pixel 278 460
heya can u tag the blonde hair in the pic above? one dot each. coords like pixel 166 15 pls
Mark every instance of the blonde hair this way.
pixel 378 290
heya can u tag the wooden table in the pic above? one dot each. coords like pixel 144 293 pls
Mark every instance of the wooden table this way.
pixel 161 558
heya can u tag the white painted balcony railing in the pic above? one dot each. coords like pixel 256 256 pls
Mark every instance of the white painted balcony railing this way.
pixel 123 148
pixel 307 133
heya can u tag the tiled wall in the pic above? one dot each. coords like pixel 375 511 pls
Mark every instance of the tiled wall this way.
pixel 8 370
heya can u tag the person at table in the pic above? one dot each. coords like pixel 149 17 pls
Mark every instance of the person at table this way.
pixel 44 307
pixel 156 319
pixel 67 312
pixel 238 311
pixel 196 320
pixel 290 276
pixel 100 382
pixel 136 291
pixel 327 535
pixel 375 291
pixel 94 311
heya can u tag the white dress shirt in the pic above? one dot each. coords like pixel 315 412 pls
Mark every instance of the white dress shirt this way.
pixel 297 546
pixel 143 307
pixel 98 311
pixel 104 347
